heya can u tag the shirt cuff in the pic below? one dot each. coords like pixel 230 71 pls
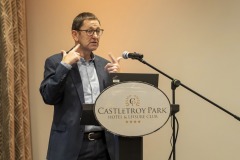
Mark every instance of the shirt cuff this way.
pixel 68 66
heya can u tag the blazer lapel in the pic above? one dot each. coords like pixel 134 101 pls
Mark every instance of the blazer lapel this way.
pixel 77 82
pixel 100 70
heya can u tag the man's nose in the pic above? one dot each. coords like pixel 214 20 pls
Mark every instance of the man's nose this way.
pixel 95 34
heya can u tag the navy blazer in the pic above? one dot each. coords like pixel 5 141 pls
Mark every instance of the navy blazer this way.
pixel 63 89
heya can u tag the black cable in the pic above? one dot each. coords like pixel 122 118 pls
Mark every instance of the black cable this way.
pixel 176 136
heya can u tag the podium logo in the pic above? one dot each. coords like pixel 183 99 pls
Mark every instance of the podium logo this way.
pixel 132 100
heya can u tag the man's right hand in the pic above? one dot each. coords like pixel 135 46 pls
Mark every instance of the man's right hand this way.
pixel 72 56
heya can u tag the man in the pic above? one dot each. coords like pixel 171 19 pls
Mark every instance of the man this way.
pixel 72 79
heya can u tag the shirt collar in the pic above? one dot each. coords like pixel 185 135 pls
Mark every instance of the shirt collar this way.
pixel 83 61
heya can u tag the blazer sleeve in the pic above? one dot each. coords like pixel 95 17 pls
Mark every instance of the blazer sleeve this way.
pixel 52 86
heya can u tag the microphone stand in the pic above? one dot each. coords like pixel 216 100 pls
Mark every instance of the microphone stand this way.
pixel 175 108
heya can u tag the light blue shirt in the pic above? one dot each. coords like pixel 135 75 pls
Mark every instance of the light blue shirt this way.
pixel 89 80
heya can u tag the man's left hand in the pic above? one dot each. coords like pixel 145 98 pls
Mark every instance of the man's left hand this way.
pixel 114 66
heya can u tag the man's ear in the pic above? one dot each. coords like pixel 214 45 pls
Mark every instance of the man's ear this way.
pixel 75 35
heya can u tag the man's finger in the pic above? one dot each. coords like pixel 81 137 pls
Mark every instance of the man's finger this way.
pixel 113 60
pixel 76 47
pixel 63 52
pixel 118 59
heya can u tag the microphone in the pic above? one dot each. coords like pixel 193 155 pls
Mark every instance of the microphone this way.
pixel 133 55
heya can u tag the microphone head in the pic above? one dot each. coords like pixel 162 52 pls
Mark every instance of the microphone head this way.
pixel 125 54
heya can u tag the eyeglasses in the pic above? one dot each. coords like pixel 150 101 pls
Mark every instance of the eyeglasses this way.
pixel 90 32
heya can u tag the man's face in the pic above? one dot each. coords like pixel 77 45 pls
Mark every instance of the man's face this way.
pixel 88 43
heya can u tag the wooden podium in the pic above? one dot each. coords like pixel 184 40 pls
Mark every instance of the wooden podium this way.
pixel 130 148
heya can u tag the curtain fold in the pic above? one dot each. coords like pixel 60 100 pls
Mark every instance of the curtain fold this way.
pixel 15 136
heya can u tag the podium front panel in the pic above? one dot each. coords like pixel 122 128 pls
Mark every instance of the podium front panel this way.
pixel 132 109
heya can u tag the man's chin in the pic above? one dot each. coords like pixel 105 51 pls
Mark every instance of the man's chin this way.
pixel 94 48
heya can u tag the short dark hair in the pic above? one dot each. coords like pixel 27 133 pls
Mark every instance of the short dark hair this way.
pixel 79 19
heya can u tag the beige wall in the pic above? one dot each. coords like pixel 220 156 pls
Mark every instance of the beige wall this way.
pixel 195 41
